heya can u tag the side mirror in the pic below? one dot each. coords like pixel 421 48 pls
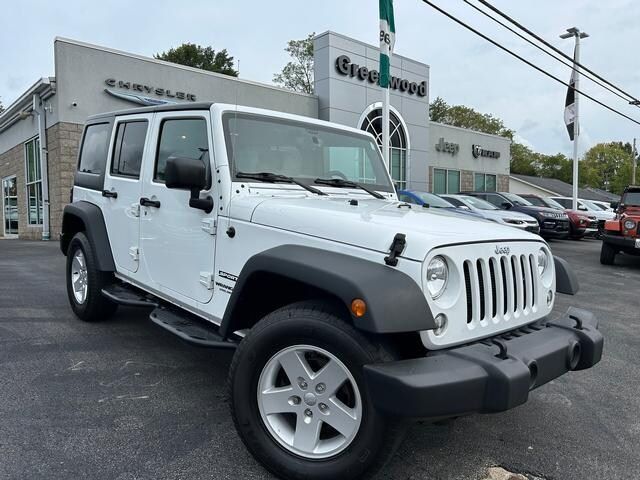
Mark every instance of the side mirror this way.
pixel 582 208
pixel 506 205
pixel 464 207
pixel 188 174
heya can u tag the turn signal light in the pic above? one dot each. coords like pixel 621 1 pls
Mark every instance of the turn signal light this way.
pixel 358 307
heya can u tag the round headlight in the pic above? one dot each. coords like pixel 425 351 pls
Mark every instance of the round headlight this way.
pixel 543 260
pixel 629 224
pixel 437 276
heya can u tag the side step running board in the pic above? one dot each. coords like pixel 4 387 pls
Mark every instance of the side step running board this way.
pixel 129 296
pixel 190 329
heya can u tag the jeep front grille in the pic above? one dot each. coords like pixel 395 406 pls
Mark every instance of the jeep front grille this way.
pixel 499 288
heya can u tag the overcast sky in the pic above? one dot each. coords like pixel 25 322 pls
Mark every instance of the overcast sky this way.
pixel 465 69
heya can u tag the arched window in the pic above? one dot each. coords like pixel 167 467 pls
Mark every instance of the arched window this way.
pixel 372 123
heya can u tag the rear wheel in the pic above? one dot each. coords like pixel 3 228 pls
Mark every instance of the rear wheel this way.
pixel 607 254
pixel 85 282
pixel 299 400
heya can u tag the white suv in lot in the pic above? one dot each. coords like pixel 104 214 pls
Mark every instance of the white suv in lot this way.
pixel 281 237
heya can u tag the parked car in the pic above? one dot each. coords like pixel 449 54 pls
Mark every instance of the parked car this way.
pixel 347 313
pixel 493 213
pixel 580 223
pixel 553 224
pixel 431 200
pixel 622 234
pixel 589 207
pixel 606 206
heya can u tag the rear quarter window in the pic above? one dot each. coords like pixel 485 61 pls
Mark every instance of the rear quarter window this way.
pixel 92 158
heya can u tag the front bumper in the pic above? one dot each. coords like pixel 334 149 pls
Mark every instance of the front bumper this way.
pixel 554 228
pixel 625 243
pixel 488 376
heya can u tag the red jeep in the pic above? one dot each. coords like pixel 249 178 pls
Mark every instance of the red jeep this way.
pixel 622 234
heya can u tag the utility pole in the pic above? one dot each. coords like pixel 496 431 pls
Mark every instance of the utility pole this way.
pixel 577 35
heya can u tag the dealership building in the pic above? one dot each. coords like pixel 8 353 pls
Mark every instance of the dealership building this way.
pixel 40 131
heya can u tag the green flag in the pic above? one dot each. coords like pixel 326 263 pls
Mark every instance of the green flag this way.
pixel 387 40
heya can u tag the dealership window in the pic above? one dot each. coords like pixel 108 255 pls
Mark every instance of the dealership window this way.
pixel 34 181
pixel 484 182
pixel 446 181
pixel 397 143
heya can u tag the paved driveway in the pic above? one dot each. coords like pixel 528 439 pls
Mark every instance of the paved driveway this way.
pixel 124 400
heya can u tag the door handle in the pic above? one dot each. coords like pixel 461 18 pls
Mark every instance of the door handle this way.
pixel 109 194
pixel 146 202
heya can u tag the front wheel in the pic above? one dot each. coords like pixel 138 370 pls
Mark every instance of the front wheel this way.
pixel 299 400
pixel 607 254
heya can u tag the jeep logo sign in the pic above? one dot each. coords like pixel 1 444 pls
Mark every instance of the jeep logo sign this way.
pixel 502 250
pixel 478 151
pixel 348 69
pixel 447 147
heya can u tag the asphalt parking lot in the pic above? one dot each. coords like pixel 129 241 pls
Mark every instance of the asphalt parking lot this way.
pixel 124 400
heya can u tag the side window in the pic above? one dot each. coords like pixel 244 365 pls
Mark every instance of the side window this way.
pixel 128 149
pixel 564 202
pixel 454 201
pixel 183 137
pixel 496 200
pixel 95 147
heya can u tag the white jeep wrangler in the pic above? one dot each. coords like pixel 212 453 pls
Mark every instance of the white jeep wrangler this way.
pixel 282 237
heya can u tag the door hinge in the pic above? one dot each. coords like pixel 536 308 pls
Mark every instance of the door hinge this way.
pixel 206 279
pixel 134 253
pixel 209 225
pixel 135 209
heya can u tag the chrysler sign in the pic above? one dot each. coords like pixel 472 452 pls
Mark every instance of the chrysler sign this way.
pixel 149 89
pixel 348 69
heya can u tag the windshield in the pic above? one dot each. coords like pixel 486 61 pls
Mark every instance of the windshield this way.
pixel 513 198
pixel 301 150
pixel 433 200
pixel 631 198
pixel 479 203
pixel 550 202
pixel 536 201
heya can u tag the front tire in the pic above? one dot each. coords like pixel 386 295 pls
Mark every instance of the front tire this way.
pixel 299 400
pixel 607 254
pixel 85 282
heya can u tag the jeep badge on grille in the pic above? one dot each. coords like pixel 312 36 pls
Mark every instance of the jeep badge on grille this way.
pixel 502 250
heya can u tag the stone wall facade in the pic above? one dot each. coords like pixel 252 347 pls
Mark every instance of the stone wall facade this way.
pixel 63 140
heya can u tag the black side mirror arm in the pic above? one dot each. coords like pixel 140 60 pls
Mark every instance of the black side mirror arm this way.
pixel 205 204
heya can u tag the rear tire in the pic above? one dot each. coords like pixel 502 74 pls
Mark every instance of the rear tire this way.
pixel 85 282
pixel 310 331
pixel 607 254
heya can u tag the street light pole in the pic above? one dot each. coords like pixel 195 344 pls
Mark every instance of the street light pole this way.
pixel 578 35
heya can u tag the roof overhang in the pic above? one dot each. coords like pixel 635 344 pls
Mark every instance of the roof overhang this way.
pixel 18 110
pixel 511 177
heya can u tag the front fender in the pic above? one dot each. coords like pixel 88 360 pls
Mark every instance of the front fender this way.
pixel 395 302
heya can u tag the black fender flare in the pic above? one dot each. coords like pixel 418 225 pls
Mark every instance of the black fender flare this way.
pixel 395 302
pixel 566 279
pixel 94 228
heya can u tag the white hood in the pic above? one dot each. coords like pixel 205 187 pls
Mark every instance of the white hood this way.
pixel 371 223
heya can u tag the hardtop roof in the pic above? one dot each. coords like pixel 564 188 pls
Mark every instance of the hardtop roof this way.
pixel 169 107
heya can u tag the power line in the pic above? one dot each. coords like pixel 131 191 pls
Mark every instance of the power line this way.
pixel 560 52
pixel 570 65
pixel 522 59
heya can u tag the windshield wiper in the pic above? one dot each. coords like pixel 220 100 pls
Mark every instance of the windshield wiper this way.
pixel 340 183
pixel 275 177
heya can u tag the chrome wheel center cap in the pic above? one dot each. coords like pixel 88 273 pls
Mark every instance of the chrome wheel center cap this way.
pixel 310 399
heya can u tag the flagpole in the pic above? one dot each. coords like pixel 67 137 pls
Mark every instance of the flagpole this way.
pixel 577 34
pixel 385 129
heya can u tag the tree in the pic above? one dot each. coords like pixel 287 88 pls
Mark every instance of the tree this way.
pixel 607 166
pixel 466 117
pixel 523 159
pixel 297 75
pixel 205 58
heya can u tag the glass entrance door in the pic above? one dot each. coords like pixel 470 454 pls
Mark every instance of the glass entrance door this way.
pixel 10 206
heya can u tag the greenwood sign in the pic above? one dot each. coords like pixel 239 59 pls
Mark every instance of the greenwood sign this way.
pixel 345 67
